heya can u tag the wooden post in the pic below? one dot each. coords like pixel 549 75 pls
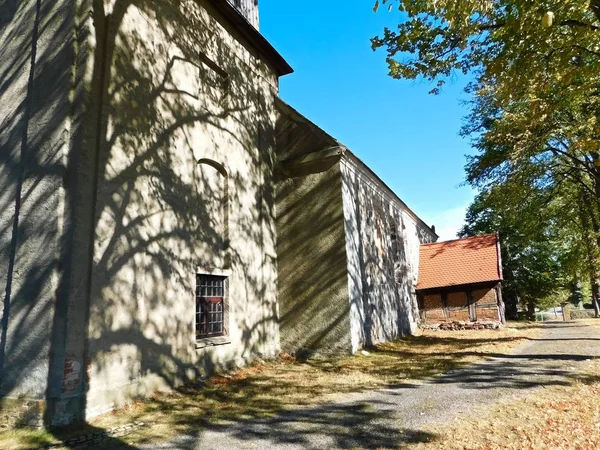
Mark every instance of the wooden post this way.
pixel 471 305
pixel 501 309
pixel 445 304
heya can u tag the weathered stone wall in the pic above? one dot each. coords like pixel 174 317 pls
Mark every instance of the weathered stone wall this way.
pixel 179 87
pixel 105 110
pixel 313 287
pixel 382 244
pixel 43 159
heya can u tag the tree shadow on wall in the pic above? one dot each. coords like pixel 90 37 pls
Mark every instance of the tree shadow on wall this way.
pixel 314 308
pixel 160 92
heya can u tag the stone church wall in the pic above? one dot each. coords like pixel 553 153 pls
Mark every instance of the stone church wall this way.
pixel 106 107
pixel 382 247
pixel 180 88
pixel 42 208
pixel 313 288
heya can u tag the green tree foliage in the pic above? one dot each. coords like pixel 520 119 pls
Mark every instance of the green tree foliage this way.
pixel 504 41
pixel 536 88
pixel 546 237
pixel 534 120
pixel 532 254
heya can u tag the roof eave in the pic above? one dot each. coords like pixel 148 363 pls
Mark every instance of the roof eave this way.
pixel 253 36
pixel 472 285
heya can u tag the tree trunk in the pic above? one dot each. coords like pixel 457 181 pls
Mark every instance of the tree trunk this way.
pixel 511 306
pixel 589 223
pixel 531 310
pixel 595 8
pixel 576 297
pixel 595 295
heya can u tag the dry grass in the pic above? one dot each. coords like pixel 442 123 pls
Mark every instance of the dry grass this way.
pixel 554 418
pixel 25 439
pixel 590 322
pixel 265 389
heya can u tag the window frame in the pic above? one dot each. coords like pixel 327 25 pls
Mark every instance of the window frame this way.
pixel 209 317
pixel 208 297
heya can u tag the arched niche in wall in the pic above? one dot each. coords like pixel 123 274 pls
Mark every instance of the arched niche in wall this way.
pixel 213 207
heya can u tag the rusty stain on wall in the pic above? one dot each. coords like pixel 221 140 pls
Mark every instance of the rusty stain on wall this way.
pixel 72 376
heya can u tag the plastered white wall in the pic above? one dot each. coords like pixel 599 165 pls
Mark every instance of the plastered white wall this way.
pixel 381 275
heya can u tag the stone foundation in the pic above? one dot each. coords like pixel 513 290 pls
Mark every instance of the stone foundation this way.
pixel 459 326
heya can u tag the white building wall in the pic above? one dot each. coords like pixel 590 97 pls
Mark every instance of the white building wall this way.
pixel 351 206
pixel 180 89
pixel 382 264
pixel 248 9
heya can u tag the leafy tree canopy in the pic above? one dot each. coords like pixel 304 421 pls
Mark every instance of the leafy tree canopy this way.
pixel 534 119
pixel 536 98
pixel 505 42
pixel 532 253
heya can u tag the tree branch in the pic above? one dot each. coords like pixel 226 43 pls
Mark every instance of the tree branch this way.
pixel 576 160
pixel 577 23
pixel 491 26
pixel 581 47
pixel 595 8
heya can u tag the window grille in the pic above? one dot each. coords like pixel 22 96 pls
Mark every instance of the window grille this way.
pixel 210 306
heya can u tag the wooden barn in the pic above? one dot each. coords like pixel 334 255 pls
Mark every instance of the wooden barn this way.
pixel 460 280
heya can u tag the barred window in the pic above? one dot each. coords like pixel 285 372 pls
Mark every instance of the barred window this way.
pixel 210 306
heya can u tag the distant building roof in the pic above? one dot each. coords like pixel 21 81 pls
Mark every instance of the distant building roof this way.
pixel 462 261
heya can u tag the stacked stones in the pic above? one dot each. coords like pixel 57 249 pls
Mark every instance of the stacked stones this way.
pixel 88 440
pixel 459 326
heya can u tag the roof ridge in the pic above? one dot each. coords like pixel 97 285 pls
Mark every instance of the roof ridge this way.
pixel 459 239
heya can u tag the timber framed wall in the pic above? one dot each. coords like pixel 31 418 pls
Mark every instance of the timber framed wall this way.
pixel 470 303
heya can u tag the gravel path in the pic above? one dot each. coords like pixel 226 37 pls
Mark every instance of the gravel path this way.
pixel 384 418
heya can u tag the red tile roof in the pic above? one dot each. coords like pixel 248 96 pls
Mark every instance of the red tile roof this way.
pixel 463 261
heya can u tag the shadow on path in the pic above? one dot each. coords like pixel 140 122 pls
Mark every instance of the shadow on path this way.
pixel 394 417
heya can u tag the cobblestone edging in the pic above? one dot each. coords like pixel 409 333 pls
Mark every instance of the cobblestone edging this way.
pixel 82 442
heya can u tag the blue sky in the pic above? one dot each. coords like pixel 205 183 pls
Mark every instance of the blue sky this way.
pixel 408 137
